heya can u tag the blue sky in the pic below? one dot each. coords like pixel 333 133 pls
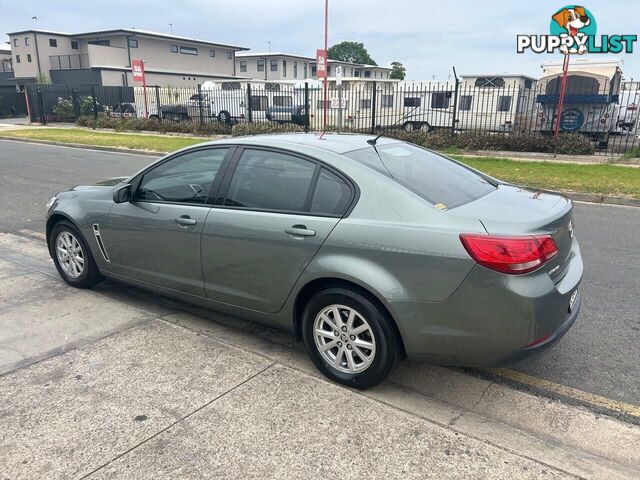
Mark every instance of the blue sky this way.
pixel 428 37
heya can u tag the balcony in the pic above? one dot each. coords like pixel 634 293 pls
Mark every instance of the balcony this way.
pixel 69 62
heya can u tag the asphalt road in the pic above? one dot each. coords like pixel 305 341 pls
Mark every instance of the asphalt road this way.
pixel 599 355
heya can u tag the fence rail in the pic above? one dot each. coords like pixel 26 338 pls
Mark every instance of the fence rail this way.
pixel 604 111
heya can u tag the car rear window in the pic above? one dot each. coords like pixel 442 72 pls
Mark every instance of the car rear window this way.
pixel 439 180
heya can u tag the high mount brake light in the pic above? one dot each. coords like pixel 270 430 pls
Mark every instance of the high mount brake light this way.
pixel 512 255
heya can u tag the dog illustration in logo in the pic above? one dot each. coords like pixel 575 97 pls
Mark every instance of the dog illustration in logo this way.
pixel 572 20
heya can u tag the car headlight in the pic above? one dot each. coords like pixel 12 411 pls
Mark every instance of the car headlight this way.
pixel 51 202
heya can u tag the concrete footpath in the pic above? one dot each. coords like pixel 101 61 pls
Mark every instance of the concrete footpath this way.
pixel 119 383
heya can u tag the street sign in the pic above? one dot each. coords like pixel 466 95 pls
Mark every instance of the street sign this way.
pixel 339 71
pixel 137 68
pixel 321 63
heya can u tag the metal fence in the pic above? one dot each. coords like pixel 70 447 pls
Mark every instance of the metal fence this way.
pixel 603 110
pixel 12 104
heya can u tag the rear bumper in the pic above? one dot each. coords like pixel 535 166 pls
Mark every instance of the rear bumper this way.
pixel 542 347
pixel 492 318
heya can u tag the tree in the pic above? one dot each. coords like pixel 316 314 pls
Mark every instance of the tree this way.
pixel 43 79
pixel 353 52
pixel 398 71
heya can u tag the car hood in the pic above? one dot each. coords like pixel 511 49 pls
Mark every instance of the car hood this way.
pixel 108 183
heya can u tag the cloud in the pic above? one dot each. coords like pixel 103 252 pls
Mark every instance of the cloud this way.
pixel 427 36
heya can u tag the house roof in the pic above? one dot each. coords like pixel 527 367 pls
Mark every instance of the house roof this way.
pixel 358 65
pixel 132 31
pixel 491 75
pixel 251 54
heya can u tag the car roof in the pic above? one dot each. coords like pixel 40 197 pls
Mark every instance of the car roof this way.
pixel 335 142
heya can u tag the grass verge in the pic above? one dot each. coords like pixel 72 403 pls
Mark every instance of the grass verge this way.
pixel 603 179
pixel 155 143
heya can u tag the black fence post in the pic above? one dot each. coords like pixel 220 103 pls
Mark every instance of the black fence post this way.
pixel 373 109
pixel 158 110
pixel 454 117
pixel 43 117
pixel 306 107
pixel 95 104
pixel 120 102
pixel 74 100
pixel 200 111
pixel 249 109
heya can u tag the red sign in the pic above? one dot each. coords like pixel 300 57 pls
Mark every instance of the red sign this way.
pixel 321 63
pixel 137 67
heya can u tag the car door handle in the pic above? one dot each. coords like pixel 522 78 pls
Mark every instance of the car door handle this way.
pixel 298 231
pixel 185 220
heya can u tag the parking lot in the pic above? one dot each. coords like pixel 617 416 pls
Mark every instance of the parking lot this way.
pixel 116 382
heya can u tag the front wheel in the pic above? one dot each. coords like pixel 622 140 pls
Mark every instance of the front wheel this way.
pixel 224 117
pixel 72 257
pixel 349 338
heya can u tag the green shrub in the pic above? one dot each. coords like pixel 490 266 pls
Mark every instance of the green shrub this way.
pixel 566 143
pixel 153 125
pixel 264 128
pixel 633 153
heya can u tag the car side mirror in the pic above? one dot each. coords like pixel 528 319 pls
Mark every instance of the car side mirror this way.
pixel 122 194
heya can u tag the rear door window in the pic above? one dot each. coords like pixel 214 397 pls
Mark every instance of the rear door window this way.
pixel 267 180
pixel 440 181
pixel 332 195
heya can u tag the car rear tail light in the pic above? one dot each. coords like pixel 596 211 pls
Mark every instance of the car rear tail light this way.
pixel 512 255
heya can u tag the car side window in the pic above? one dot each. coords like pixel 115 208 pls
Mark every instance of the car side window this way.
pixel 183 179
pixel 332 194
pixel 267 180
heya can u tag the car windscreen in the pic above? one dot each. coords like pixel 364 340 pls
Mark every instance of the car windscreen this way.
pixel 440 181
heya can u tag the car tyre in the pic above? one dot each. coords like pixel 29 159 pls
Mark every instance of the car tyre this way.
pixel 65 233
pixel 224 117
pixel 371 325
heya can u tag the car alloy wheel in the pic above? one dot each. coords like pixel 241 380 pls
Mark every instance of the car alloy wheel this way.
pixel 70 254
pixel 344 339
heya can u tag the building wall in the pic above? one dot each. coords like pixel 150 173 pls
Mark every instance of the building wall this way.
pixel 116 78
pixel 292 72
pixel 157 54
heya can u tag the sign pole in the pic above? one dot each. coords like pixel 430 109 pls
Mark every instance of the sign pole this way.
pixel 563 88
pixel 326 33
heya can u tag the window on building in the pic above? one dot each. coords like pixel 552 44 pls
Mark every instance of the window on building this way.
pixel 489 82
pixel 274 65
pixel 295 69
pixel 74 45
pixel 188 50
pixel 267 180
pixel 440 99
pixel 26 41
pixel 229 55
pixel 528 83
pixel 282 101
pixel 133 43
pixel 212 53
pixel 260 65
pixel 15 42
pixel 231 86
pixel 17 58
pixel 104 43
pixel 465 102
pixel 53 42
pixel 356 73
pixel 504 103
pixel 412 101
pixel 243 65
pixel 328 70
pixel 173 48
pixel 314 71
pixel 272 87
pixel 365 103
pixel 28 58
pixel 259 103
pixel 284 68
pixel 304 69
pixel 367 74
pixel 386 101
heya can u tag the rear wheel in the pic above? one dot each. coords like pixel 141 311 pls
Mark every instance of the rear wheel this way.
pixel 72 257
pixel 224 117
pixel 408 127
pixel 349 338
